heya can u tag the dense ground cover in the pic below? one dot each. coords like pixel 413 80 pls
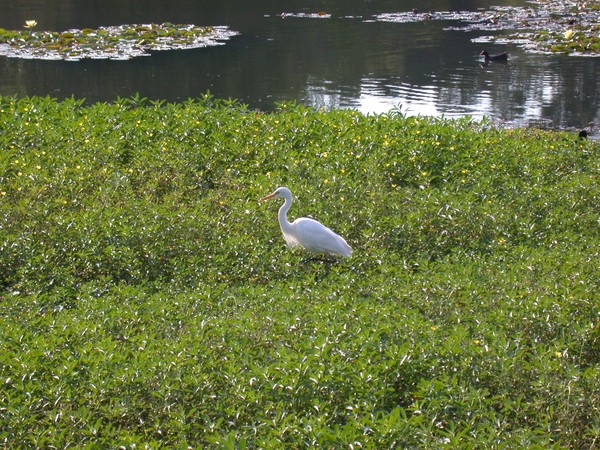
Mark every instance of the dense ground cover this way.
pixel 147 299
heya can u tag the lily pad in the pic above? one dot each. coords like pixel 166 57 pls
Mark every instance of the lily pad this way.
pixel 303 15
pixel 548 26
pixel 117 42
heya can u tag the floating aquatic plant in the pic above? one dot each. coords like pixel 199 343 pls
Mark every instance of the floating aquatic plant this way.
pixel 569 34
pixel 553 27
pixel 543 27
pixel 115 42
pixel 30 23
pixel 303 15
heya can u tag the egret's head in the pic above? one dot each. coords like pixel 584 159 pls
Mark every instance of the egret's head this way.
pixel 279 192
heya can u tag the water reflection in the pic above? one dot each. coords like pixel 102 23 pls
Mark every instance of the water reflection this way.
pixel 346 61
pixel 532 89
pixel 379 96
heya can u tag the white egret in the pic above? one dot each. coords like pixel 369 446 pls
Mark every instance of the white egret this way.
pixel 308 233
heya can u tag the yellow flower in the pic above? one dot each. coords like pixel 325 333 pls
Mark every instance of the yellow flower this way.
pixel 569 34
pixel 30 24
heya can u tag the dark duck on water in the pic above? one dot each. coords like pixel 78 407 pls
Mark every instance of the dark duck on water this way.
pixel 499 57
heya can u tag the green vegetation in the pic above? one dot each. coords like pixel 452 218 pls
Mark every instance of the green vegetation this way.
pixel 147 299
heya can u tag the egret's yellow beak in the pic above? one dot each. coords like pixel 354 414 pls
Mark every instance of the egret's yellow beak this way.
pixel 267 197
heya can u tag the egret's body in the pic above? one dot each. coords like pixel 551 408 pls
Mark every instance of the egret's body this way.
pixel 308 233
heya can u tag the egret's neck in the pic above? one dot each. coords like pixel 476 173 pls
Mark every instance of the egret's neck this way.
pixel 284 223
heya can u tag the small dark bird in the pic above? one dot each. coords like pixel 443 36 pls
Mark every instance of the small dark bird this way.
pixel 499 57
pixel 583 134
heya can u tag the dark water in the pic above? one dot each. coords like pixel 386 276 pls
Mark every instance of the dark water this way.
pixel 346 61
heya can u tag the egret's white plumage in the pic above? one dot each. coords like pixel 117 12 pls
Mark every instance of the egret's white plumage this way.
pixel 308 233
